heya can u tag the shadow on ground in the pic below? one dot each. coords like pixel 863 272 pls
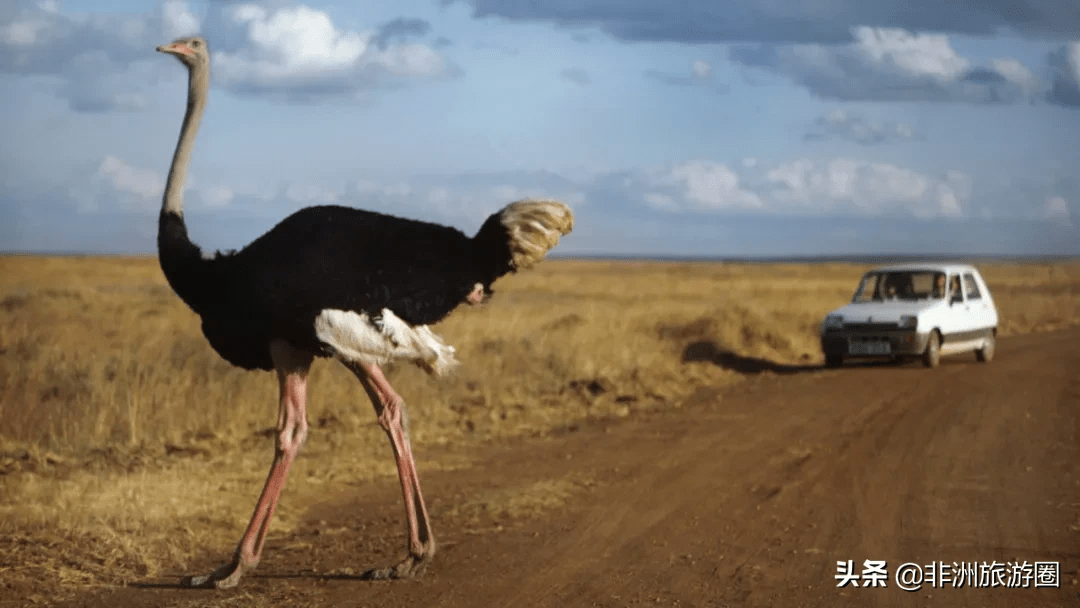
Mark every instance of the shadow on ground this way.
pixel 710 351
pixel 177 581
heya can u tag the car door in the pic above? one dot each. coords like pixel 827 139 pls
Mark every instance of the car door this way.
pixel 978 307
pixel 988 299
pixel 952 321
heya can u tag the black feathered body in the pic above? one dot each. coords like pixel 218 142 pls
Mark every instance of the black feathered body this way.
pixel 327 257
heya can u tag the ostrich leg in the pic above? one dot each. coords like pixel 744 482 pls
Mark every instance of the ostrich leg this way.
pixel 390 408
pixel 292 367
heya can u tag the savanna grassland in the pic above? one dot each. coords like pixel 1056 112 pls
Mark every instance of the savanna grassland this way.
pixel 127 446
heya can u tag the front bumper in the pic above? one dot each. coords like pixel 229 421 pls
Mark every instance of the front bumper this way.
pixel 834 342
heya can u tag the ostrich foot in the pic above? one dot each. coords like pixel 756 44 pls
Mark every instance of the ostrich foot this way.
pixel 223 578
pixel 410 567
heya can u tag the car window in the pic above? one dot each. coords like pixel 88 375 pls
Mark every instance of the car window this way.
pixel 955 293
pixel 921 285
pixel 939 289
pixel 872 287
pixel 898 285
pixel 866 289
pixel 971 287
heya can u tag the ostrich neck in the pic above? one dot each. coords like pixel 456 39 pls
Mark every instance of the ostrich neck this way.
pixel 181 260
pixel 196 102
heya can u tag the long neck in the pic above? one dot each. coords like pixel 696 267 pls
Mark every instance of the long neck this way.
pixel 181 259
pixel 174 188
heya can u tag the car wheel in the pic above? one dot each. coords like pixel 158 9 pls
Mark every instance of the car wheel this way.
pixel 986 353
pixel 834 360
pixel 933 350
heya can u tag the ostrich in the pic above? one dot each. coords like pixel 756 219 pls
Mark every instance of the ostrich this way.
pixel 333 281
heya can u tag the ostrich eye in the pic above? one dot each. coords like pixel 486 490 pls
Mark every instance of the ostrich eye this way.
pixel 195 43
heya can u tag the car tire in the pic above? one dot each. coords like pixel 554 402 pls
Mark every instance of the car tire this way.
pixel 986 353
pixel 834 360
pixel 932 354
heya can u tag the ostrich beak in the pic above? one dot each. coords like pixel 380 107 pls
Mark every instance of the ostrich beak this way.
pixel 176 48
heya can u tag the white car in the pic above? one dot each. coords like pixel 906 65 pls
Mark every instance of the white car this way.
pixel 914 310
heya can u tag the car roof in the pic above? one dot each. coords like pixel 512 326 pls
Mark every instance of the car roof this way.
pixel 947 267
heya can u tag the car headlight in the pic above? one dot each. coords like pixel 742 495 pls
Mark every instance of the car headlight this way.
pixel 908 321
pixel 833 322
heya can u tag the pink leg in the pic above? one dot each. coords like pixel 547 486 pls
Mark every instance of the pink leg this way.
pixel 292 368
pixel 476 296
pixel 390 408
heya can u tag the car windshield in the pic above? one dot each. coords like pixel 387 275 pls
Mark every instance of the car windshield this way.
pixel 901 285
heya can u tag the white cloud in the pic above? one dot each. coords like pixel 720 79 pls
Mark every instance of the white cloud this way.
pixel 1016 72
pixel 43 40
pixel 505 193
pixel 218 196
pixel 23 33
pixel 87 57
pixel 1073 53
pixel 701 68
pixel 1065 65
pixel 860 186
pixel 438 195
pixel 146 183
pixel 416 60
pixel 820 21
pixel 840 124
pixel 178 20
pixel 463 200
pixel 802 186
pixel 282 50
pixel 709 185
pixel 960 183
pixel 310 194
pixel 888 64
pixel 92 83
pixel 298 38
pixel 700 185
pixel 699 76
pixel 298 52
pixel 116 184
pixel 1057 210
pixel 401 190
pixel 793 176
pixel 914 54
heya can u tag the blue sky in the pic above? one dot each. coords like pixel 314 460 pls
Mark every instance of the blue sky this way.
pixel 696 127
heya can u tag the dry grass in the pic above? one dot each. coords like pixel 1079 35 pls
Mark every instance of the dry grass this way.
pixel 126 444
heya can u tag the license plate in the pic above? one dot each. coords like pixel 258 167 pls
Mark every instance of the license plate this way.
pixel 870 347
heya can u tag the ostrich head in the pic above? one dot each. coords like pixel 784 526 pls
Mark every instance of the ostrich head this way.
pixel 192 52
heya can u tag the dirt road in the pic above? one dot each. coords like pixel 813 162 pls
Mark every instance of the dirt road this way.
pixel 747 497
